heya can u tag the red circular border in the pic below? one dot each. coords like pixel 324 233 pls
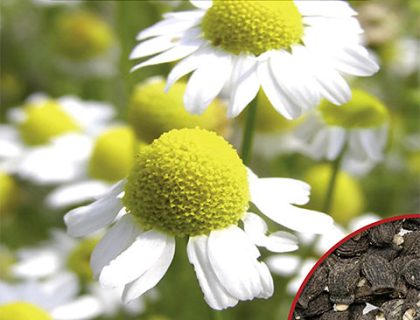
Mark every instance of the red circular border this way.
pixel 351 235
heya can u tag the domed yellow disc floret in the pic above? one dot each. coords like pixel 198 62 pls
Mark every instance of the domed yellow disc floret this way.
pixel 44 121
pixel 362 111
pixel 268 120
pixel 152 112
pixel 79 259
pixel 82 35
pixel 22 311
pixel 348 200
pixel 187 182
pixel 113 154
pixel 253 26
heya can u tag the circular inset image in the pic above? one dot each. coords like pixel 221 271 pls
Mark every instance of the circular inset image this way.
pixel 373 274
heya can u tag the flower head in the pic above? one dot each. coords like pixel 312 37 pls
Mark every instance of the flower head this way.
pixel 296 51
pixel 190 182
pixel 360 126
pixel 151 112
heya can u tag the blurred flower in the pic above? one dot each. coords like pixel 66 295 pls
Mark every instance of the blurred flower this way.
pixel 110 158
pixel 347 201
pixel 55 299
pixel 191 182
pixel 82 35
pixel 359 128
pixel 51 139
pixel 86 44
pixel 151 112
pixel 295 50
pixel 63 253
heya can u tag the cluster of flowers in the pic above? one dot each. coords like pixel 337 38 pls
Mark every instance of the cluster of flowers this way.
pixel 170 171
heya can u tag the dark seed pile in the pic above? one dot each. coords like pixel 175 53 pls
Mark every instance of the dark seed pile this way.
pixel 379 266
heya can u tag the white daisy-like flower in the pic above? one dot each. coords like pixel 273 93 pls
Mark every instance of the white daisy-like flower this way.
pixel 191 182
pixel 64 254
pixel 297 51
pixel 360 126
pixel 50 140
pixel 53 299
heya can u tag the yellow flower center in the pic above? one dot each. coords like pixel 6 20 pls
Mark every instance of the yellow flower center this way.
pixel 268 120
pixel 44 121
pixel 22 311
pixel 187 182
pixel 362 111
pixel 253 26
pixel 82 35
pixel 79 259
pixel 113 154
pixel 152 112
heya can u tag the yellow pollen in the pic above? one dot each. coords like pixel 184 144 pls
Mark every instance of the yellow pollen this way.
pixel 44 121
pixel 187 182
pixel 152 112
pixel 362 111
pixel 22 311
pixel 253 26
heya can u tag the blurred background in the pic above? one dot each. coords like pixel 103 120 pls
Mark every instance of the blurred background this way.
pixel 72 57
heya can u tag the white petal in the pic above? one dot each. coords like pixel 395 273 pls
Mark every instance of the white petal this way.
pixel 294 79
pixel 337 9
pixel 153 46
pixel 371 145
pixel 278 241
pixel 115 241
pixel 331 84
pixel 173 24
pixel 356 61
pixel 136 260
pixel 244 85
pixel 267 283
pixel 59 289
pixel 281 191
pixel 205 84
pixel 85 307
pixel 40 263
pixel 152 276
pixel 215 294
pixel 84 220
pixel 173 54
pixel 76 193
pixel 275 94
pixel 232 256
pixel 337 137
pixel 283 265
pixel 202 4
pixel 190 63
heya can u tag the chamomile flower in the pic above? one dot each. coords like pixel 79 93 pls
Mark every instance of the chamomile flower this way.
pixel 51 138
pixel 64 254
pixel 53 299
pixel 191 182
pixel 101 169
pixel 359 127
pixel 296 51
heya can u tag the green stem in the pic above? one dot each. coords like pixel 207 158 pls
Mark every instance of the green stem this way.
pixel 246 149
pixel 217 315
pixel 336 164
